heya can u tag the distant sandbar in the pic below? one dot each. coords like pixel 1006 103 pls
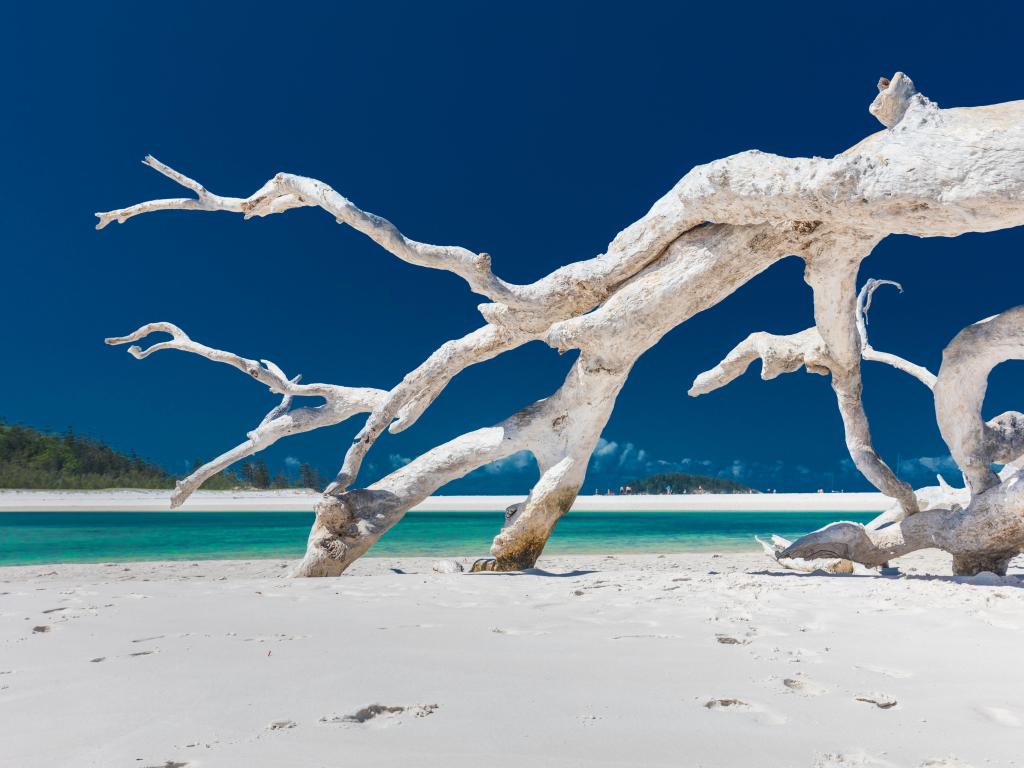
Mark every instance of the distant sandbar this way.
pixel 129 500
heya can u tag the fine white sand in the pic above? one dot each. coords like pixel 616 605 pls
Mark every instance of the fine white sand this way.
pixel 679 660
pixel 283 500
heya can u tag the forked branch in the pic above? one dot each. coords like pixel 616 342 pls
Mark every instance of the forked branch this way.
pixel 868 352
pixel 340 402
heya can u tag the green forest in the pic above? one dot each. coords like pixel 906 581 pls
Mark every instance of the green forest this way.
pixel 681 482
pixel 30 458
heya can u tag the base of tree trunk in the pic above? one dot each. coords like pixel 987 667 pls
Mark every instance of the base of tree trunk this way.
pixel 973 563
pixel 521 562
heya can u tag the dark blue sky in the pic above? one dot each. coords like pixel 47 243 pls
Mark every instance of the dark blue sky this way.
pixel 533 132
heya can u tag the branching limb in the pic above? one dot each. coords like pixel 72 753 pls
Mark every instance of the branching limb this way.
pixel 868 352
pixel 960 393
pixel 785 354
pixel 286 191
pixel 831 271
pixel 404 404
pixel 341 402
pixel 778 355
pixel 203 201
pixel 279 423
pixel 700 268
pixel 264 371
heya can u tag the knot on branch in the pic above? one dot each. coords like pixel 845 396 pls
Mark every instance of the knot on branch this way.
pixel 333 514
pixel 893 99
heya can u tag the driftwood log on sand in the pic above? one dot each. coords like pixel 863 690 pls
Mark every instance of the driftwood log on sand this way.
pixel 931 172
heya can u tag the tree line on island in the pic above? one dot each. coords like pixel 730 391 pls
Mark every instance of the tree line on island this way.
pixel 33 459
pixel 682 482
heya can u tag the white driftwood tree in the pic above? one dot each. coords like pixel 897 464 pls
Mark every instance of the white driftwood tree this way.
pixel 931 172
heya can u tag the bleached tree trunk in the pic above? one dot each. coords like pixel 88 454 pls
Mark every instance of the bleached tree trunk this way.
pixel 932 172
pixel 562 430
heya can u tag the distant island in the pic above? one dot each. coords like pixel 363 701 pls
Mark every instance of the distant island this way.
pixel 683 482
pixel 36 460
pixel 32 459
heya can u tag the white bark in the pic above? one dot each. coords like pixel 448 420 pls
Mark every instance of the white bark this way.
pixel 932 172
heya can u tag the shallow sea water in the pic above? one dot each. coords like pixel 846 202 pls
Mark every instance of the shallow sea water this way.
pixel 47 537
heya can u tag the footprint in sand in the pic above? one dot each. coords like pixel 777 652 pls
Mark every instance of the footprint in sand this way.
pixel 533 632
pixel 381 714
pixel 945 762
pixel 803 686
pixel 759 713
pixel 898 674
pixel 880 700
pixel 1002 716
pixel 725 703
pixel 856 760
pixel 730 640
pixel 995 621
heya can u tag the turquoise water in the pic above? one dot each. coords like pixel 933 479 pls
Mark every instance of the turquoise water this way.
pixel 48 537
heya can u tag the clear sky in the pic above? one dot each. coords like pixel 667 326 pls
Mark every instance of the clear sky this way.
pixel 534 132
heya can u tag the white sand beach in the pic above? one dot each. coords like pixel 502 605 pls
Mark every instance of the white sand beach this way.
pixel 131 500
pixel 677 660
